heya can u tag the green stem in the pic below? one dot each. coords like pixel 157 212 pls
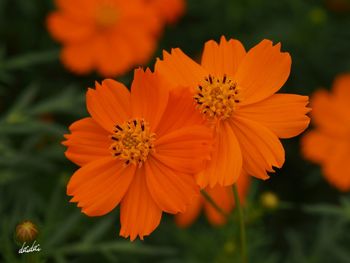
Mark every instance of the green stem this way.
pixel 214 204
pixel 244 258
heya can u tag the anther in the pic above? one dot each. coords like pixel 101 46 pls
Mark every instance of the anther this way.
pixel 217 97
pixel 131 143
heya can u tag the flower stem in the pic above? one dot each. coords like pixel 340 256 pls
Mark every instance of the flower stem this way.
pixel 244 258
pixel 214 204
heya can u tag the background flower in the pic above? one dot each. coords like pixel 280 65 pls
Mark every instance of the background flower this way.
pixel 329 143
pixel 222 196
pixel 111 36
pixel 310 223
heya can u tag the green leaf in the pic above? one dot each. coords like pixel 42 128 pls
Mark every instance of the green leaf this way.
pixel 28 60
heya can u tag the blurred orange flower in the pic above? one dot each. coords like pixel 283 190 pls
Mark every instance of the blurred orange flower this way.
pixel 234 91
pixel 222 196
pixel 110 36
pixel 329 143
pixel 131 152
pixel 169 10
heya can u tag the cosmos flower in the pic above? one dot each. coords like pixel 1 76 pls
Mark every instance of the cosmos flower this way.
pixel 329 143
pixel 110 36
pixel 222 196
pixel 138 149
pixel 234 91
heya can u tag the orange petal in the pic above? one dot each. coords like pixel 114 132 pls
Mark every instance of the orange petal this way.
pixel 87 142
pixel 109 104
pixel 68 30
pixel 226 161
pixel 284 114
pixel 185 150
pixel 77 8
pixel 224 58
pixel 113 55
pixel 149 97
pixel 336 168
pixel 328 114
pixel 243 185
pixel 142 45
pixel 139 16
pixel 262 72
pixel 317 146
pixel 223 197
pixel 171 190
pixel 179 69
pixel 99 186
pixel 341 89
pixel 187 218
pixel 180 112
pixel 261 148
pixel 78 57
pixel 139 214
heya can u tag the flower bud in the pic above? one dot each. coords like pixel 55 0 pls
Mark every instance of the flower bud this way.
pixel 269 200
pixel 26 232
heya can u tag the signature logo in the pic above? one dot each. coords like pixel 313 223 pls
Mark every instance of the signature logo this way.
pixel 35 247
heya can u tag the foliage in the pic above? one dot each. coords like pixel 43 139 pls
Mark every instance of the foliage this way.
pixel 39 99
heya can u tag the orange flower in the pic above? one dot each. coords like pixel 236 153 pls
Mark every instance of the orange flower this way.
pixel 234 91
pixel 329 143
pixel 110 36
pixel 222 196
pixel 169 10
pixel 139 149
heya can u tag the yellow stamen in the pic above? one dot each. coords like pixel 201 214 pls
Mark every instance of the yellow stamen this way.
pixel 132 142
pixel 106 16
pixel 217 97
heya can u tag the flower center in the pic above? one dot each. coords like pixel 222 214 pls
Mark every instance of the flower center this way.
pixel 132 141
pixel 217 97
pixel 106 16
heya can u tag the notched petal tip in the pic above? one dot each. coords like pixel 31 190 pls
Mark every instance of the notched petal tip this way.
pixel 165 54
pixel 73 197
pixel 90 91
pixel 212 42
pixel 66 137
pixel 176 51
pixel 140 73
pixel 266 41
pixel 138 70
pixel 278 46
pixel 265 178
pixel 64 143
pixel 131 237
pixel 148 71
pixel 269 44
pixel 223 39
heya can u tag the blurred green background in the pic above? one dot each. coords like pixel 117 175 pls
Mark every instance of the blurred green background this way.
pixel 39 99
